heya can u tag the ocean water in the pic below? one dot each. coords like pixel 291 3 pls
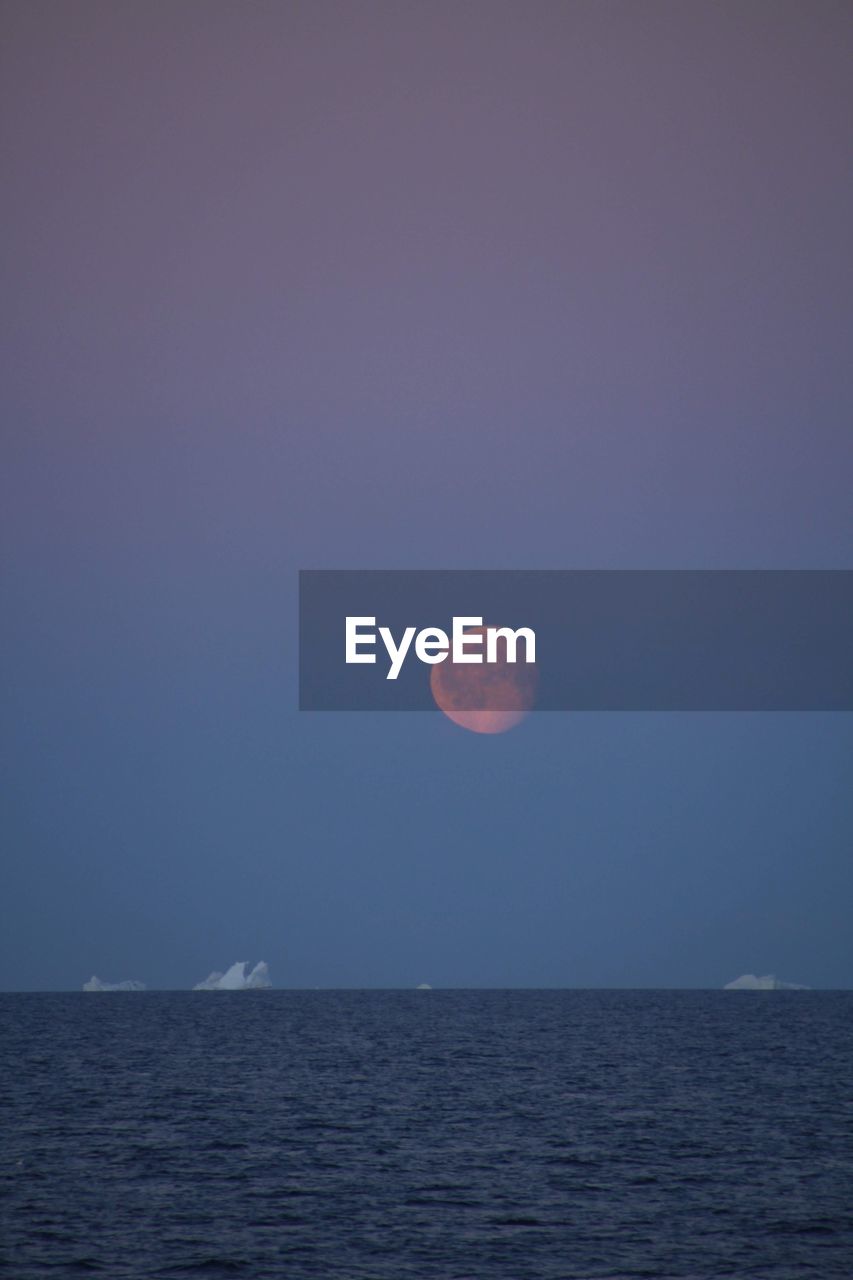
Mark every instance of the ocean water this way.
pixel 555 1135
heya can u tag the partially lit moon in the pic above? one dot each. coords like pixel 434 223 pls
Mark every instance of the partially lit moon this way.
pixel 485 697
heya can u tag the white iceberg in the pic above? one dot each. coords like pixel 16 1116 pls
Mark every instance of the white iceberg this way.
pixel 235 978
pixel 749 982
pixel 95 984
pixel 423 986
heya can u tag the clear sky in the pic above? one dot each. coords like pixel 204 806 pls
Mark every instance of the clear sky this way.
pixel 305 285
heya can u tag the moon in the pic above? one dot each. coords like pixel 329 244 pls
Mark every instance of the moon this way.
pixel 484 697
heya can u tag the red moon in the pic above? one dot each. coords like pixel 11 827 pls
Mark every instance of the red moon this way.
pixel 485 698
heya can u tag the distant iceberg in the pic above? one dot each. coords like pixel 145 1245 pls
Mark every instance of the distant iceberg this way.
pixel 95 984
pixel 749 982
pixel 235 978
pixel 423 986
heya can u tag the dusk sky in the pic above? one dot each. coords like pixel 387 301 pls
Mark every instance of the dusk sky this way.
pixel 411 285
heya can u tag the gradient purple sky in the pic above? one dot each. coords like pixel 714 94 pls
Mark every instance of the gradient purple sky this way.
pixel 411 285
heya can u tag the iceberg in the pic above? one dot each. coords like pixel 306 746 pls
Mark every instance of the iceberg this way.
pixel 749 982
pixel 235 979
pixel 95 984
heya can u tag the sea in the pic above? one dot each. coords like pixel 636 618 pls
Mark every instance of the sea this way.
pixel 450 1135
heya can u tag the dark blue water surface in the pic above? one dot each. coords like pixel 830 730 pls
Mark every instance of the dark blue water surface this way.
pixel 371 1134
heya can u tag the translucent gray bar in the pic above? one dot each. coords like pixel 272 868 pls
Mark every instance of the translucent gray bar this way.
pixel 606 640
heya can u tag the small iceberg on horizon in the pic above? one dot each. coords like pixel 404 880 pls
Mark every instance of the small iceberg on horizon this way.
pixel 769 982
pixel 235 979
pixel 423 986
pixel 95 984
